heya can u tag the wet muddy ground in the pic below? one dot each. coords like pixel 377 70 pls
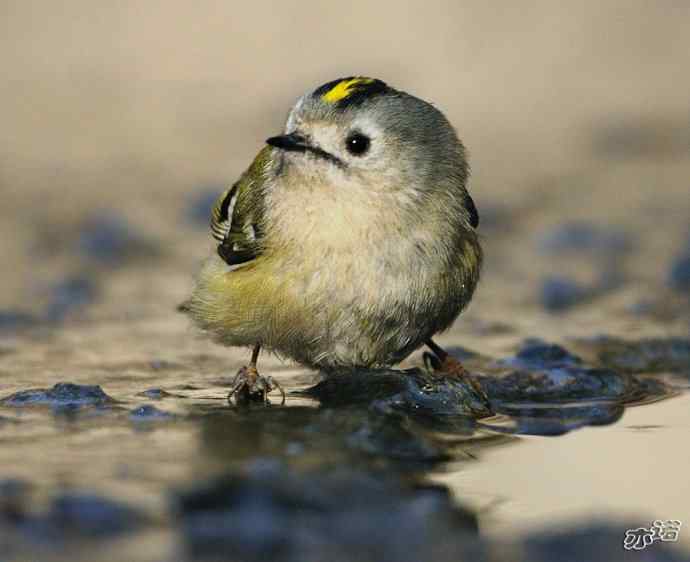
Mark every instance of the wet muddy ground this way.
pixel 117 442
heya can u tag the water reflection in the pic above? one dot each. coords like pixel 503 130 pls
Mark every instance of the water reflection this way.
pixel 364 465
pixel 315 479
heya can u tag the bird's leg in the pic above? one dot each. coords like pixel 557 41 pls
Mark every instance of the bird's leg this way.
pixel 443 360
pixel 446 365
pixel 249 385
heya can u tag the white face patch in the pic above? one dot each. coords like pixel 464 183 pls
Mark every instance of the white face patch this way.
pixel 291 123
pixel 367 126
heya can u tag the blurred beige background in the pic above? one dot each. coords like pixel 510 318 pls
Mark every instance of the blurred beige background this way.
pixel 192 89
pixel 133 105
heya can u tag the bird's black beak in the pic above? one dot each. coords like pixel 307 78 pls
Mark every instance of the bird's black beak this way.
pixel 293 142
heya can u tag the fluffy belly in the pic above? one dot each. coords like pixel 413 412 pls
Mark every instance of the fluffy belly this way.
pixel 360 312
pixel 356 295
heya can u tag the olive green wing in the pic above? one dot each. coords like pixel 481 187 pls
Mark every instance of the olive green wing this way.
pixel 237 216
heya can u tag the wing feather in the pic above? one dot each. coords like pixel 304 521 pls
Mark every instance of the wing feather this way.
pixel 237 215
pixel 221 215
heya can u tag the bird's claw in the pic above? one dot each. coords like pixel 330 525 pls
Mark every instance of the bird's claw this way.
pixel 249 386
pixel 451 367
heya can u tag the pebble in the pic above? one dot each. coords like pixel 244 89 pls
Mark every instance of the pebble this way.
pixel 199 209
pixel 16 320
pixel 585 238
pixel 538 354
pixel 558 293
pixel 155 394
pixel 679 274
pixel 108 239
pixel 63 394
pixel 413 391
pixel 70 296
pixel 648 355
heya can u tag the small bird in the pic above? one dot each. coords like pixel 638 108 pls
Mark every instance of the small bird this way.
pixel 350 240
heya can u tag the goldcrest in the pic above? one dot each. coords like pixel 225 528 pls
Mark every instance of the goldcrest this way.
pixel 350 240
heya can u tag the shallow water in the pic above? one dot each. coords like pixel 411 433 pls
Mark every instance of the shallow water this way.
pixel 582 436
pixel 556 454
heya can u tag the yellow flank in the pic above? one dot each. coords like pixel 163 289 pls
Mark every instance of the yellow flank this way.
pixel 343 89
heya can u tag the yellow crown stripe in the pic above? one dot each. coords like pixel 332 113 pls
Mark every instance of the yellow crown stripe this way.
pixel 343 89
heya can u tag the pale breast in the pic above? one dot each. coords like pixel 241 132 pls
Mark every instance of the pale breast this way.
pixel 359 258
pixel 343 242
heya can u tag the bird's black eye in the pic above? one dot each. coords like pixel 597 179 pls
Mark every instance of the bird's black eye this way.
pixel 357 144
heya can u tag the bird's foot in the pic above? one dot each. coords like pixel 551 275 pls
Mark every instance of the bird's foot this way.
pixel 449 367
pixel 249 386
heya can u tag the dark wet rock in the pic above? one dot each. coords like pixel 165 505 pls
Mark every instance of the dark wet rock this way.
pixel 357 387
pixel 543 371
pixel 199 209
pixel 679 274
pixel 394 414
pixel 63 394
pixel 267 512
pixel 110 240
pixel 651 355
pixel 155 394
pixel 93 516
pixel 557 384
pixel 69 296
pixel 557 293
pixel 149 413
pixel 16 320
pixel 413 391
pixel 538 354
pixel 547 390
pixel 597 541
pixel 585 238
